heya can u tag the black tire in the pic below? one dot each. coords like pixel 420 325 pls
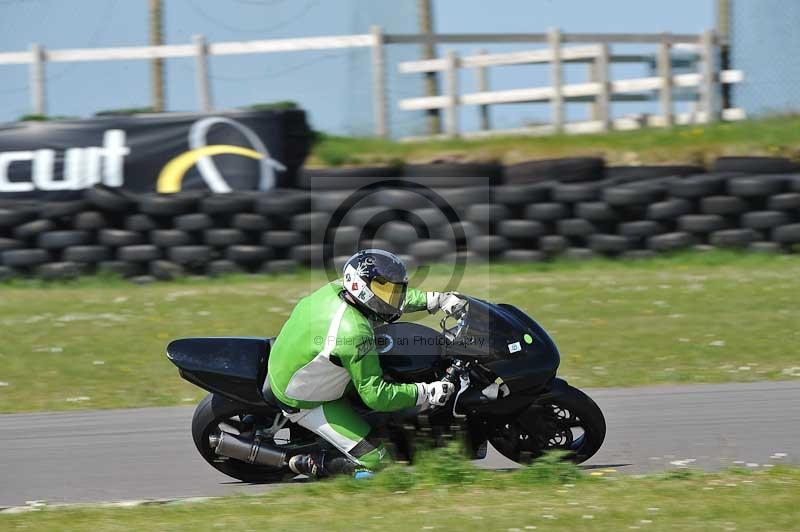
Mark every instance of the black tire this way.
pixel 400 199
pixel 563 409
pixel 399 233
pixel 275 267
pixel 631 174
pixel 697 186
pixel 576 192
pixel 579 254
pixel 248 255
pixel 33 229
pixel 109 199
pixel 631 195
pixel 755 186
pixel 212 410
pixel 733 238
pixel 515 195
pixel 90 221
pixel 9 243
pixel 369 216
pixel 167 238
pixel 670 242
pixel 445 175
pixel 723 205
pixel 754 165
pixel 190 256
pixel 282 239
pixel 15 217
pixel 309 254
pixel 760 220
pixel 193 222
pixel 638 254
pixel 596 211
pixel 522 255
pixel 640 229
pixel 141 223
pixel 701 223
pixel 520 229
pixel 345 240
pixel 460 198
pixel 311 224
pixel 86 254
pixel 63 239
pixel 139 253
pixel 426 251
pixel 430 218
pixel 789 201
pixel 547 212
pixel 330 201
pixel 223 237
pixel 222 267
pixel 568 170
pixel 164 270
pixel 487 213
pixel 166 204
pixel 24 258
pixel 59 271
pixel 668 210
pixel 785 234
pixel 120 237
pixel 489 245
pixel 609 244
pixel 452 232
pixel 282 203
pixel 764 247
pixel 230 203
pixel 575 227
pixel 553 244
pixel 345 178
pixel 250 222
pixel 53 210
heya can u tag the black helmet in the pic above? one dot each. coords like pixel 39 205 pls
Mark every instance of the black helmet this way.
pixel 377 281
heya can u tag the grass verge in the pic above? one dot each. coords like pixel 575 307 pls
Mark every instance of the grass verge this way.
pixel 778 136
pixel 695 318
pixel 548 495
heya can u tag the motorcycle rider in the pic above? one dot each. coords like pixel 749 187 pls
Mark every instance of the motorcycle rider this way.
pixel 327 347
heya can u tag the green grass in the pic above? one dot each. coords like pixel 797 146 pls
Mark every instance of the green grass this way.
pixel 546 496
pixel 695 318
pixel 778 136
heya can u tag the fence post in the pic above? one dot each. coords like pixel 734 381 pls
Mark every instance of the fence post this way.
pixel 602 105
pixel 37 80
pixel 379 83
pixel 665 73
pixel 708 76
pixel 482 76
pixel 556 79
pixel 201 72
pixel 451 111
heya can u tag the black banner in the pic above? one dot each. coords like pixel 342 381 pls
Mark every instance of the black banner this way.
pixel 244 150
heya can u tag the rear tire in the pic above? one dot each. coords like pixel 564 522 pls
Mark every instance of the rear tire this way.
pixel 213 410
pixel 564 411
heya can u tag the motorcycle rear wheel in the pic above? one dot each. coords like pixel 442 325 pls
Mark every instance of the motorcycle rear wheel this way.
pixel 568 420
pixel 210 413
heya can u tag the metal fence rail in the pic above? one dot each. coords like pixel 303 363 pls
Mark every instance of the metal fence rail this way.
pixel 599 91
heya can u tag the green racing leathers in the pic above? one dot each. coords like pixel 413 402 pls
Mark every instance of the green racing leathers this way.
pixel 325 347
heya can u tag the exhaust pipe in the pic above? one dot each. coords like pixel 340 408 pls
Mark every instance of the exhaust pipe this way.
pixel 250 451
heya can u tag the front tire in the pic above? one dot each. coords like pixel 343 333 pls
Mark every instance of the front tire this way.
pixel 565 419
pixel 213 411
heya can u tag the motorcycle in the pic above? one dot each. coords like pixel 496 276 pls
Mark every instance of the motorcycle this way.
pixel 502 363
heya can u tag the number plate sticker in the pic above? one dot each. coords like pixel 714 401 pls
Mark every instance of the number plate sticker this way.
pixel 513 348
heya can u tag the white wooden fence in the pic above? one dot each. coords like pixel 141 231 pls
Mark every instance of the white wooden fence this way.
pixel 600 90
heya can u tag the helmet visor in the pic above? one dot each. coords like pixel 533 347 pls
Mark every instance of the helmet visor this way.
pixel 394 294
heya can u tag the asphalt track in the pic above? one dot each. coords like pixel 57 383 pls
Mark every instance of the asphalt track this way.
pixel 148 453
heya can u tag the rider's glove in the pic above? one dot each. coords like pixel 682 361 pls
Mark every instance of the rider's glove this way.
pixel 434 393
pixel 449 302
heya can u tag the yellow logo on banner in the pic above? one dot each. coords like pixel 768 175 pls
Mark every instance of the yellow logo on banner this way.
pixel 171 176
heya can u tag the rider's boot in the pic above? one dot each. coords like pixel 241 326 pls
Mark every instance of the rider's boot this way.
pixel 317 465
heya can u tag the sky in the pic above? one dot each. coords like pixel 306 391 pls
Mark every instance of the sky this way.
pixel 334 86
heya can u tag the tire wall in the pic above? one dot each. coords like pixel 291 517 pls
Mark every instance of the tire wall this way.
pixel 163 236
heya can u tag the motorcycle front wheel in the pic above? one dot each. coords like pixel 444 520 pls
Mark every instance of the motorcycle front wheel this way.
pixel 566 420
